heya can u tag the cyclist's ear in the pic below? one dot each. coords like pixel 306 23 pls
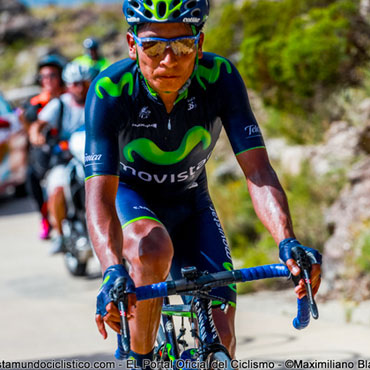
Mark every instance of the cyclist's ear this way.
pixel 200 45
pixel 131 46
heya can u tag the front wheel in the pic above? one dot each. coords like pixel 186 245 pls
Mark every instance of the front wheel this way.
pixel 220 360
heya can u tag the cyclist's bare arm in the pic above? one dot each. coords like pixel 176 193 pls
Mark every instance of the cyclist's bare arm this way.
pixel 105 233
pixel 271 205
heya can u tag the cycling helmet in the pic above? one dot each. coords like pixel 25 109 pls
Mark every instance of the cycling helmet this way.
pixel 193 12
pixel 91 43
pixel 74 72
pixel 53 60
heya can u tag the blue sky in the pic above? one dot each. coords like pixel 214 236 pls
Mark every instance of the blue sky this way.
pixel 65 2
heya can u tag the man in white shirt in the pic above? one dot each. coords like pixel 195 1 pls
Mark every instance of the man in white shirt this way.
pixel 61 117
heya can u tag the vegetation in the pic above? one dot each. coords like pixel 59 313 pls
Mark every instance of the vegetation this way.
pixel 294 54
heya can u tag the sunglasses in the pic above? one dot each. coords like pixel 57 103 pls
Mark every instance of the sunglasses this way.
pixel 48 76
pixel 155 46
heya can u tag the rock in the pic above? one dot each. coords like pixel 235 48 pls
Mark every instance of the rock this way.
pixel 364 141
pixel 346 218
pixel 16 23
pixel 12 6
pixel 339 149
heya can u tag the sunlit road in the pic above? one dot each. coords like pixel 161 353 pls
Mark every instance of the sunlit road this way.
pixel 47 314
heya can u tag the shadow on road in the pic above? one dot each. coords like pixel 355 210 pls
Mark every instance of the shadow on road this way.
pixel 14 206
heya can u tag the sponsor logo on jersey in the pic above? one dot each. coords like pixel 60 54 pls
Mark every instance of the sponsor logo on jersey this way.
pixel 165 178
pixel 92 157
pixel 145 113
pixel 150 151
pixel 191 103
pixel 146 125
pixel 252 130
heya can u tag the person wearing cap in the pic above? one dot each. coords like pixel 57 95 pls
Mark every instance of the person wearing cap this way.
pixel 92 57
pixel 152 121
pixel 77 79
pixel 49 76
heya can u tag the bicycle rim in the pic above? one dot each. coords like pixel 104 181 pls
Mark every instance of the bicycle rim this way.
pixel 222 358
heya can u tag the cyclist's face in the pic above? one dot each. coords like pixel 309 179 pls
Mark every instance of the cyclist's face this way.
pixel 79 91
pixel 50 78
pixel 166 73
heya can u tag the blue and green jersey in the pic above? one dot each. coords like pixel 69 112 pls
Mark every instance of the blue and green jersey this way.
pixel 131 135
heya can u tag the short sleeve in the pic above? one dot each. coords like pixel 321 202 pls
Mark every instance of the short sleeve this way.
pixel 51 112
pixel 236 114
pixel 104 116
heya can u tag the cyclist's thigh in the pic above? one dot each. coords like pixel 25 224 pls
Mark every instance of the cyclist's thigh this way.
pixel 144 234
pixel 200 241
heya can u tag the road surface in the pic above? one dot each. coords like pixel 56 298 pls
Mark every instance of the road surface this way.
pixel 48 315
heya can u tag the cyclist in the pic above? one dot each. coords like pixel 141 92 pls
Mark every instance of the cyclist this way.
pixel 151 123
pixel 49 76
pixel 92 57
pixel 71 104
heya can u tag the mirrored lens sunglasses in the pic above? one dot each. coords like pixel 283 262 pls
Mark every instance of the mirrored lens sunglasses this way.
pixel 155 46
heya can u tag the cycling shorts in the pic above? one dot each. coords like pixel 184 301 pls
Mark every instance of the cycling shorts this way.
pixel 194 228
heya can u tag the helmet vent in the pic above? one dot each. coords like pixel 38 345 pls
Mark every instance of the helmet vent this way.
pixel 162 8
pixel 148 14
pixel 149 2
pixel 190 4
pixel 175 3
pixel 176 14
pixel 130 12
pixel 135 4
pixel 196 13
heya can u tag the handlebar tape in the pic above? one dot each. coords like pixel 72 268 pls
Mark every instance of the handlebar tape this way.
pixel 151 291
pixel 247 274
pixel 264 272
pixel 303 314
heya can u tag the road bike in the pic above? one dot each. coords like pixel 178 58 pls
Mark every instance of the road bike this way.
pixel 171 351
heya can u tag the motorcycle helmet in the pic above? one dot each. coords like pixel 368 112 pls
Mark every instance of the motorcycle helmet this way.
pixel 53 60
pixel 74 72
pixel 91 43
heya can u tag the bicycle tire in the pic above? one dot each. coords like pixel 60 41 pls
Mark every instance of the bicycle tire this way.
pixel 220 356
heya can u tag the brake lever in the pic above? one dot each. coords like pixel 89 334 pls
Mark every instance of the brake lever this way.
pixel 304 263
pixel 119 295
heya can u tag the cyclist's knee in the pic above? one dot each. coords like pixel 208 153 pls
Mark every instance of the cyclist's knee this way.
pixel 149 250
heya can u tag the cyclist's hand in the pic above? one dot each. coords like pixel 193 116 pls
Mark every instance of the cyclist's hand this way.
pixel 285 254
pixel 106 310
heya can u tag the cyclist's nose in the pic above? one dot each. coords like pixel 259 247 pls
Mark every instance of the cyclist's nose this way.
pixel 169 57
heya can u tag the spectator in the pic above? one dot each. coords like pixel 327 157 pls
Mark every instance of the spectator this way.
pixel 72 104
pixel 92 57
pixel 49 76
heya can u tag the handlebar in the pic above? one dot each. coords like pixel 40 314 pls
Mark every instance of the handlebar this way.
pixel 222 278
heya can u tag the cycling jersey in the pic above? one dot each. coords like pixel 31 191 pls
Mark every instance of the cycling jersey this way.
pixel 160 157
pixel 131 135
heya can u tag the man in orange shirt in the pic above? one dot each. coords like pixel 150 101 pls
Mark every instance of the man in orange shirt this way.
pixel 50 70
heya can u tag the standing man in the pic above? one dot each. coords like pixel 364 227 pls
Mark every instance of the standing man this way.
pixel 49 76
pixel 72 105
pixel 92 57
pixel 152 122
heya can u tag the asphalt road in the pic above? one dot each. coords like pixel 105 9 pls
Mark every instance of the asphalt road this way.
pixel 45 314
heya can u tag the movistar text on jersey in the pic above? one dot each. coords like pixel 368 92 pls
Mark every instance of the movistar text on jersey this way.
pixel 166 177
